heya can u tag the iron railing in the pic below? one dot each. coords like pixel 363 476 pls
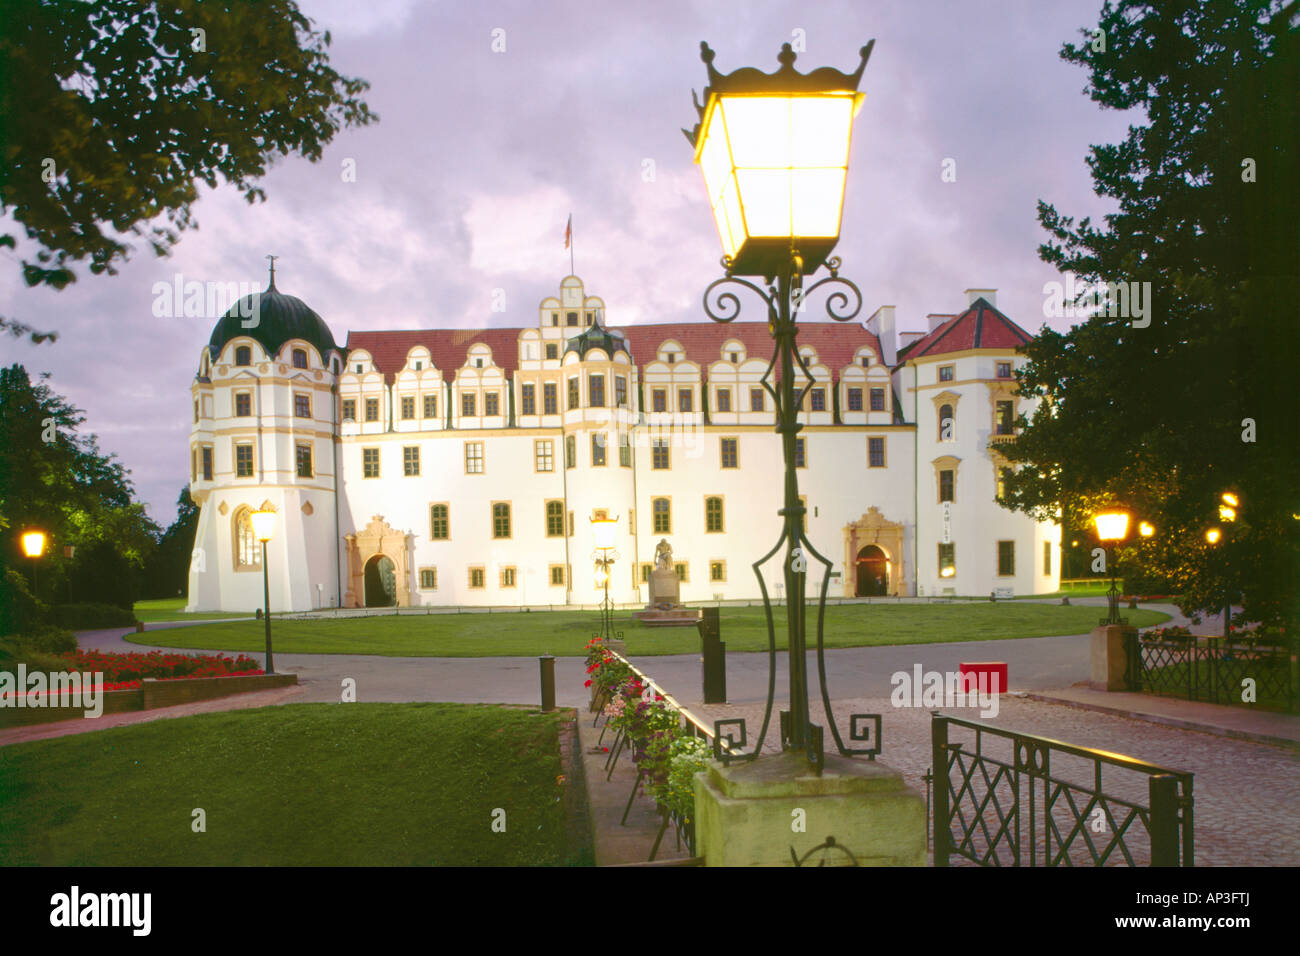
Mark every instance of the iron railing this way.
pixel 1216 670
pixel 1012 799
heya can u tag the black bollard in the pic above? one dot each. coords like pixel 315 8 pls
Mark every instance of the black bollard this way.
pixel 547 663
pixel 715 657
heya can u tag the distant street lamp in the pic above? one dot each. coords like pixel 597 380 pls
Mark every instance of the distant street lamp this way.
pixel 1112 526
pixel 1228 505
pixel 774 151
pixel 34 547
pixel 263 529
pixel 604 531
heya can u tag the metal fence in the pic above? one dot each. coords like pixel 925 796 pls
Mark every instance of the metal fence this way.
pixel 1003 798
pixel 1217 670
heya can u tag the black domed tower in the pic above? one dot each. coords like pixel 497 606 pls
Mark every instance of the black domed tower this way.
pixel 264 430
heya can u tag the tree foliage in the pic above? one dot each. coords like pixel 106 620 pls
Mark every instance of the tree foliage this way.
pixel 111 112
pixel 1164 418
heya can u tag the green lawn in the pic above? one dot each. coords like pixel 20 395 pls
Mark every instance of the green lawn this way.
pixel 173 609
pixel 565 633
pixel 295 785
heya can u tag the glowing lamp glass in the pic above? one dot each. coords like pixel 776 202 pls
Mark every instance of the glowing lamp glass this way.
pixel 34 543
pixel 1227 514
pixel 1230 499
pixel 1146 529
pixel 947 572
pixel 601 577
pixel 263 524
pixel 1112 525
pixel 604 530
pixel 1213 535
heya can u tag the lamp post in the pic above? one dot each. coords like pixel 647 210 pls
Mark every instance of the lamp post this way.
pixel 774 152
pixel 604 530
pixel 263 528
pixel 1228 505
pixel 34 547
pixel 1112 526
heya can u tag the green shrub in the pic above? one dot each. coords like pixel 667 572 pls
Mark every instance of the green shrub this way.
pixel 19 610
pixel 40 649
pixel 82 617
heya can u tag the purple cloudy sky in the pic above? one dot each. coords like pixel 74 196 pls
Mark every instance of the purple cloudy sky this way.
pixel 464 185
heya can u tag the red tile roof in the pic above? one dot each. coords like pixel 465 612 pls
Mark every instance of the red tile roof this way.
pixel 979 327
pixel 834 342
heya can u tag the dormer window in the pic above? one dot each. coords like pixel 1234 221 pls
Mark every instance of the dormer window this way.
pixel 735 358
pixel 299 358
pixel 571 318
pixel 866 361
pixel 358 369
pixel 555 318
pixel 478 363
pixel 243 355
pixel 419 365
pixel 671 357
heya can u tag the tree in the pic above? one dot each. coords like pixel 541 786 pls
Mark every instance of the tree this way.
pixel 110 111
pixel 167 570
pixel 1166 416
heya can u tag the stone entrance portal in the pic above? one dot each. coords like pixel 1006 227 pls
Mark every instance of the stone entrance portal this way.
pixel 378 540
pixel 874 559
pixel 381 582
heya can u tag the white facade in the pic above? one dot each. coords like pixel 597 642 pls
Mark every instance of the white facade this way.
pixel 474 483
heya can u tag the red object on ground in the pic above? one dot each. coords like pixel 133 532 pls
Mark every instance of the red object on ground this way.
pixel 994 679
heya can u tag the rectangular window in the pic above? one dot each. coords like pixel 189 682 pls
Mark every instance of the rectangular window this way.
pixel 570 524
pixel 660 458
pixel 552 351
pixel 1001 491
pixel 659 400
pixel 1006 418
pixel 570 452
pixel 408 407
pixel 729 452
pixel 645 571
pixel 661 508
pixel 946 485
pixel 573 393
pixel 683 570
pixel 855 399
pixel 1006 558
pixel 473 458
pixel 431 406
pixel 301 406
pixel 597 448
pixel 946 373
pixel 467 405
pixel 717 571
pixel 819 399
pixel 543 455
pixel 1047 557
pixel 1004 370
pixel 713 514
pixel 411 461
pixel 428 579
pixel 243 461
pixel 723 399
pixel 947 560
pixel 501 519
pixel 349 409
pixel 303 456
pixel 528 400
pixel 875 453
pixel 624 451
pixel 800 453
pixel 370 462
pixel 475 577
pixel 684 399
pixel 555 519
pixel 757 399
pixel 439 522
pixel 372 409
pixel 206 452
pixel 243 404
pixel 492 404
pixel 877 399
pixel 557 574
pixel 550 399
pixel 507 577
pixel 620 391
pixel 596 391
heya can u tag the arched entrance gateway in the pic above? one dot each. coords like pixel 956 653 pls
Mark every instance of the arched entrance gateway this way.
pixel 381 582
pixel 873 572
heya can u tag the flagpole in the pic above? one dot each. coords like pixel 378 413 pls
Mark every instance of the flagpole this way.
pixel 572 270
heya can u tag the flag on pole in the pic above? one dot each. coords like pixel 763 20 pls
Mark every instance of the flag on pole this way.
pixel 568 232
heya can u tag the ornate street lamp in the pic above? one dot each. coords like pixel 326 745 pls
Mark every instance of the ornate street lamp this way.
pixel 774 151
pixel 263 529
pixel 1112 526
pixel 34 547
pixel 604 530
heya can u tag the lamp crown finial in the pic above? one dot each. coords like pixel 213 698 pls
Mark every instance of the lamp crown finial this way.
pixel 787 56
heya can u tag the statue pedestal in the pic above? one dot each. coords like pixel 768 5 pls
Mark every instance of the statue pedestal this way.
pixel 745 814
pixel 1109 657
pixel 665 588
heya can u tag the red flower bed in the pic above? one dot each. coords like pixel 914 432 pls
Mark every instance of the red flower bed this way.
pixel 128 670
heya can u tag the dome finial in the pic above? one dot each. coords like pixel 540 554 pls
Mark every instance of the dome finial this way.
pixel 271 285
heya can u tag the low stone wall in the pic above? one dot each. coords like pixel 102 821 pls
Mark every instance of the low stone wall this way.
pixel 152 694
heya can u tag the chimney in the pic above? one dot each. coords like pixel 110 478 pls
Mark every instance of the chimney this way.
pixel 935 319
pixel 988 295
pixel 881 324
pixel 907 338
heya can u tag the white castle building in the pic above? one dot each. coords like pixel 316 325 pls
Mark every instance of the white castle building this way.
pixel 462 467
